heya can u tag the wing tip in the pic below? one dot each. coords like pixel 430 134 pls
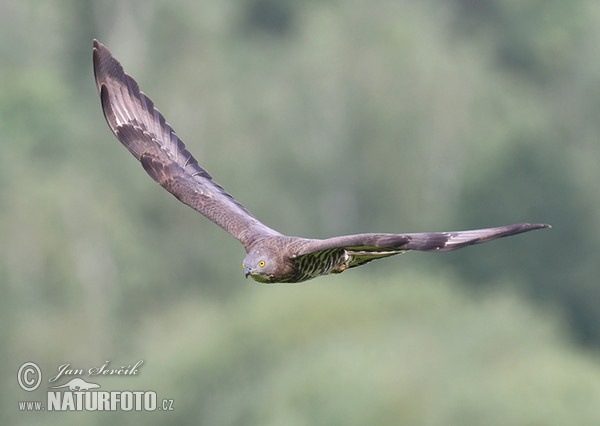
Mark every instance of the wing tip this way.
pixel 107 67
pixel 533 226
pixel 103 63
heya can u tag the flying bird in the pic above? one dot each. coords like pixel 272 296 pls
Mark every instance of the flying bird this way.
pixel 271 257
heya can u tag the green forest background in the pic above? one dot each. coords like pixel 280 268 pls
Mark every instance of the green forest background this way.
pixel 323 118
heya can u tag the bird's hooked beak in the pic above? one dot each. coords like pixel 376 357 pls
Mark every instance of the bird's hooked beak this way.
pixel 247 271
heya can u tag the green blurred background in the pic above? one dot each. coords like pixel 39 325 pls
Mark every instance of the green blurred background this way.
pixel 323 118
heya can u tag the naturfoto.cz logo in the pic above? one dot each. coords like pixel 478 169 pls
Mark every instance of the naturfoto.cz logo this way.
pixel 78 394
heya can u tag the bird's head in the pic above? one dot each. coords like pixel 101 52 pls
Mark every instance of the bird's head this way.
pixel 259 266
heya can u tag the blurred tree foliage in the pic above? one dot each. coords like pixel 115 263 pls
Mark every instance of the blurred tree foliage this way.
pixel 322 118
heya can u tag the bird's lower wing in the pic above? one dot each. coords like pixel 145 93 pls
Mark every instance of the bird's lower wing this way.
pixel 363 248
pixel 143 130
pixel 447 241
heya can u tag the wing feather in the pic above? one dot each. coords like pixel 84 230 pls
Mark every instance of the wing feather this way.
pixel 143 130
pixel 363 248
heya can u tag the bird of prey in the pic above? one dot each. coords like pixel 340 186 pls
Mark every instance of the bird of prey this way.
pixel 271 256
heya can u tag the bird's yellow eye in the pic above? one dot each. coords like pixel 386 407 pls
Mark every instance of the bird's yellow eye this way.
pixel 261 263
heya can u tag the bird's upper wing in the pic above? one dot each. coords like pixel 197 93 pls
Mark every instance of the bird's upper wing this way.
pixel 363 248
pixel 142 129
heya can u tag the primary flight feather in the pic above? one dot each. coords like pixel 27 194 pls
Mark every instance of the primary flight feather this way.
pixel 271 256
